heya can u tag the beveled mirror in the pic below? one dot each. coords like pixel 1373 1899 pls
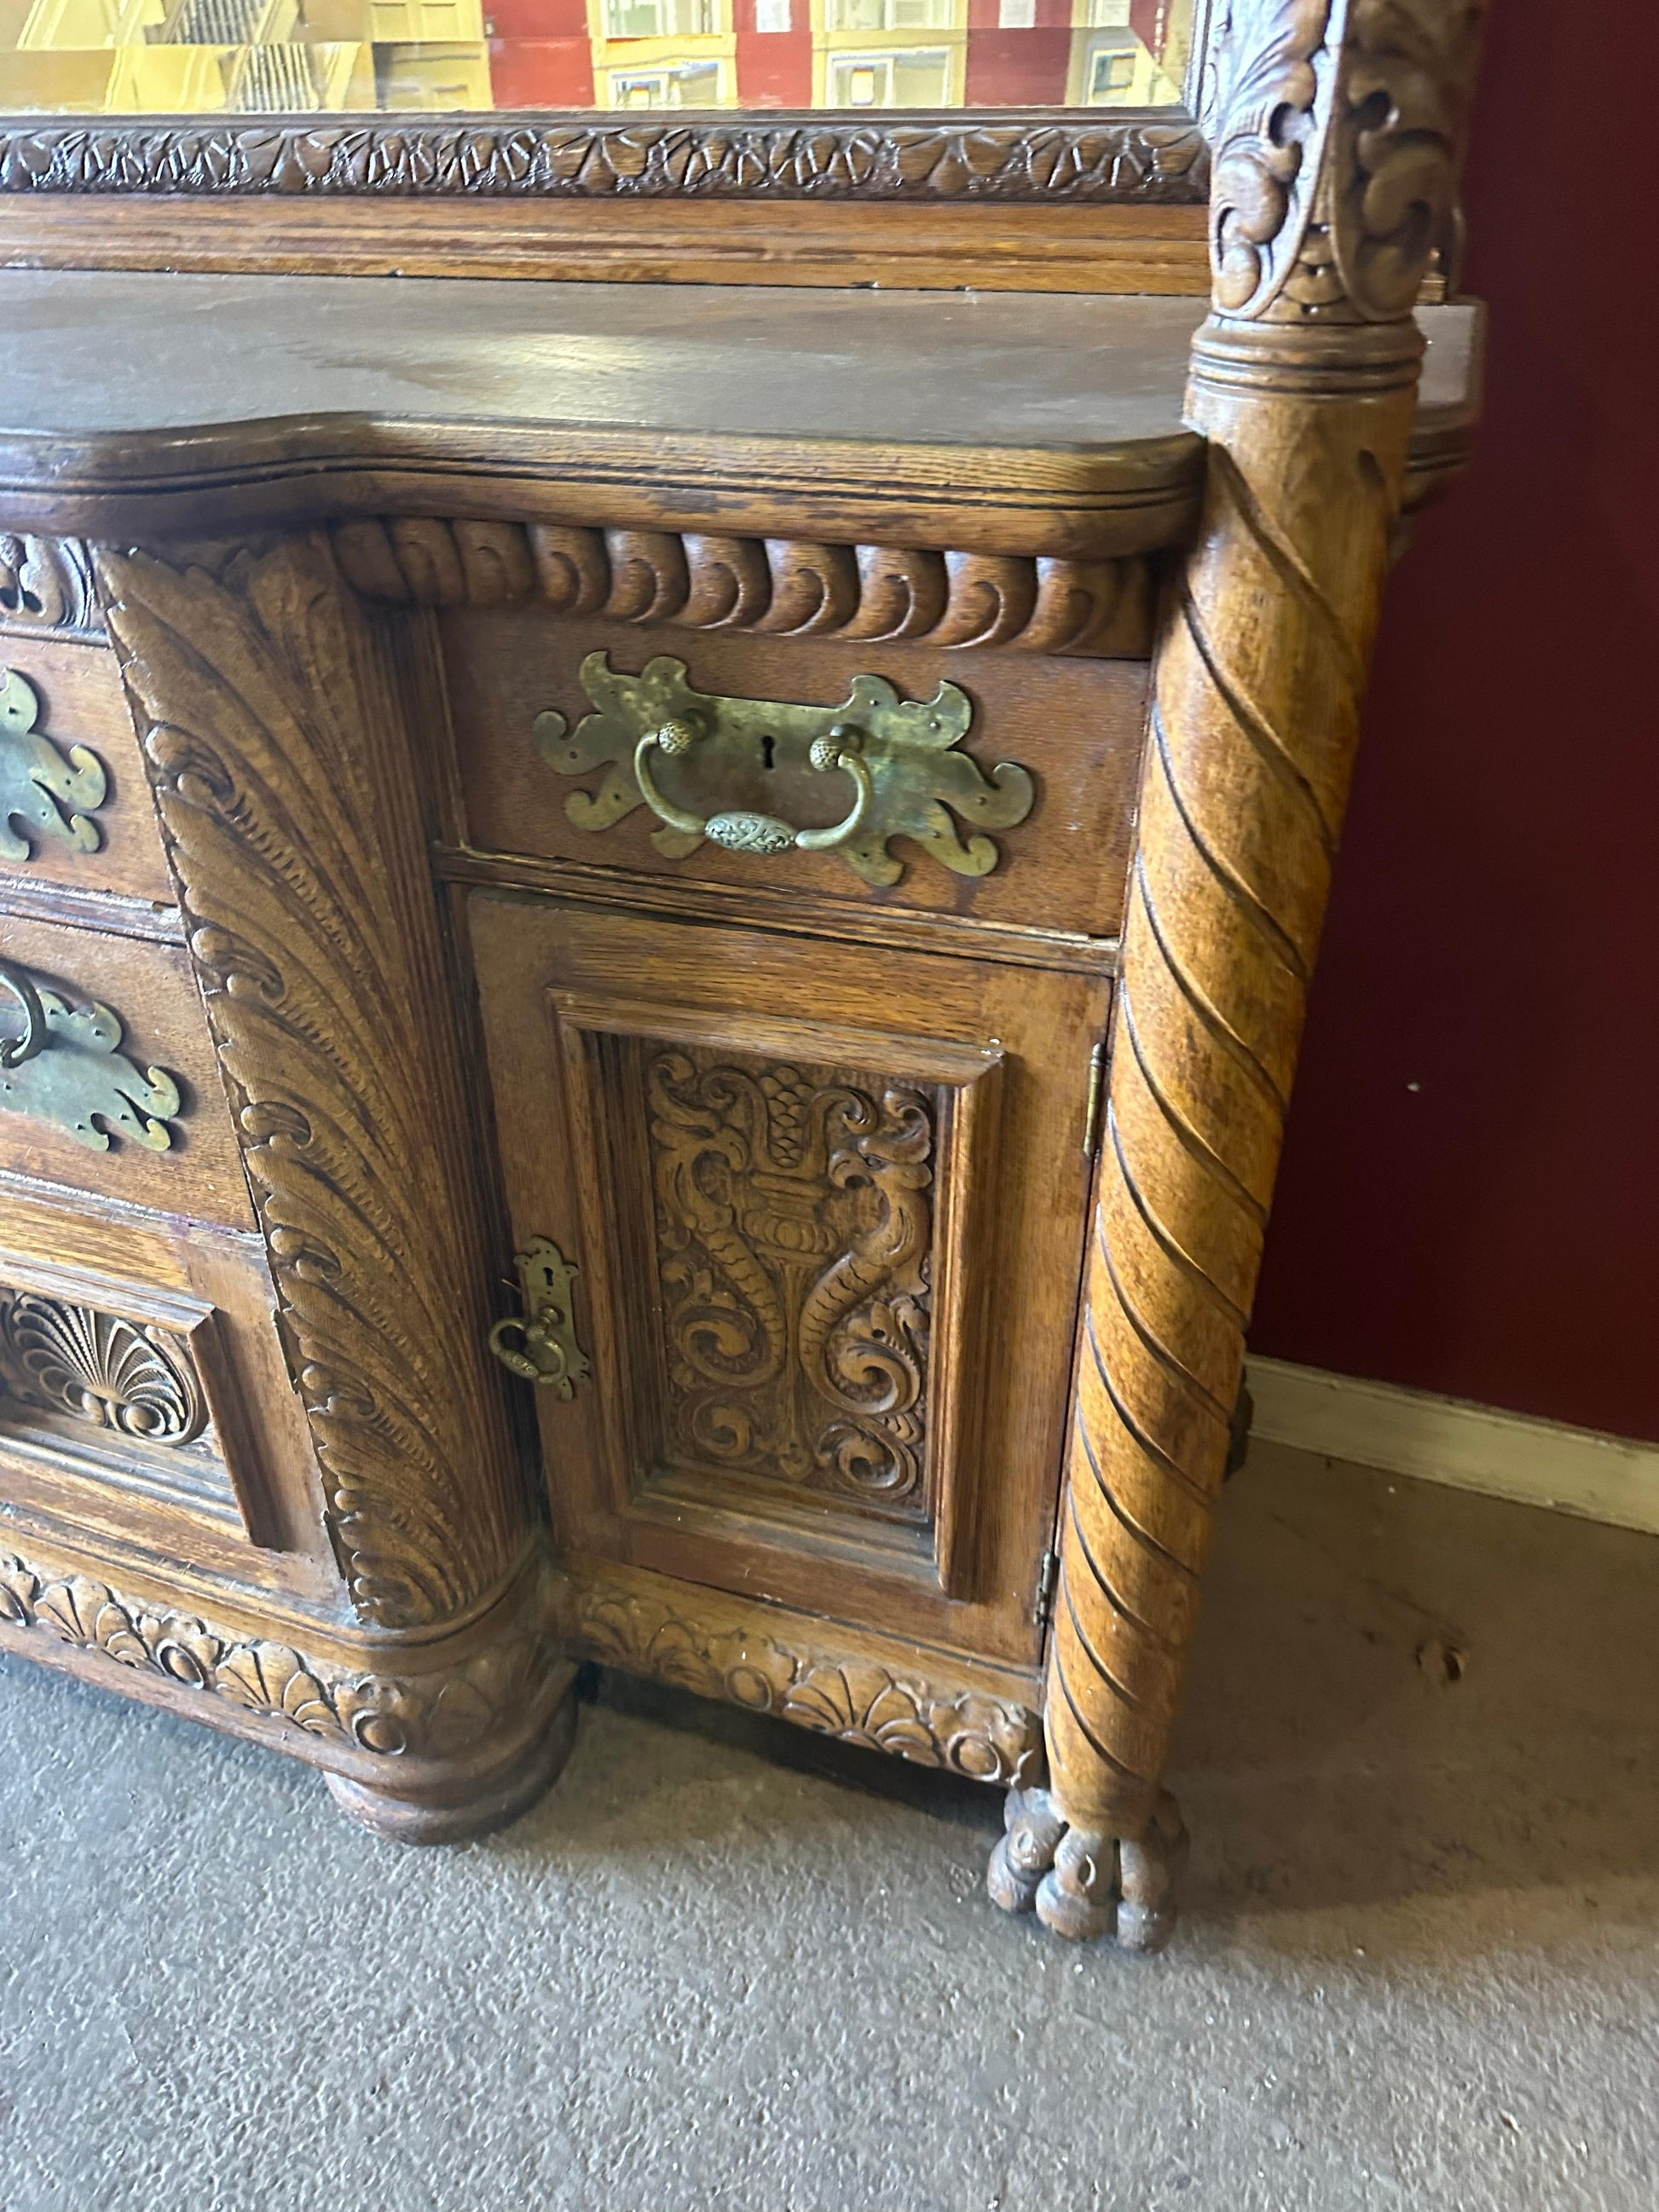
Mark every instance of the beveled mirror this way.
pixel 260 58
pixel 1043 101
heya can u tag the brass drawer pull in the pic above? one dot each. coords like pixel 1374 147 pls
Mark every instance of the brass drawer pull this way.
pixel 542 1347
pixel 903 755
pixel 41 793
pixel 740 831
pixel 67 1069
pixel 14 1051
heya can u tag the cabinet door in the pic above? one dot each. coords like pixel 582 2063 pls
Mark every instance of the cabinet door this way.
pixel 826 1206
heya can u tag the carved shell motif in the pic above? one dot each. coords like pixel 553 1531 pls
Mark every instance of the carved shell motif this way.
pixel 98 1368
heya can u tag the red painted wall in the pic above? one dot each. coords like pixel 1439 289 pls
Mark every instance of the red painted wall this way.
pixel 774 67
pixel 1018 69
pixel 1469 1200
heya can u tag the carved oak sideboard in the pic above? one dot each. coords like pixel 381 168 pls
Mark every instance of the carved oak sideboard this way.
pixel 652 946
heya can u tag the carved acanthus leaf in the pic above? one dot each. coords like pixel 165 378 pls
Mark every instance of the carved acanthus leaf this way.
pixel 857 1699
pixel 1274 70
pixel 287 808
pixel 1341 131
pixel 822 157
pixel 429 1716
pixel 1408 76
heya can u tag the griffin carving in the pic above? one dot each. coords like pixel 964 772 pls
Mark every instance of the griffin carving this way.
pixel 793 1232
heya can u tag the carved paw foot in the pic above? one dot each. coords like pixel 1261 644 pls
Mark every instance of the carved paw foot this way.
pixel 1084 1885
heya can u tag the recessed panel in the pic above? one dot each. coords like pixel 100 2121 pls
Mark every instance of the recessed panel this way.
pixel 792 1217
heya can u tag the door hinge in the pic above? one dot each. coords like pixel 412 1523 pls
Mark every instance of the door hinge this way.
pixel 1097 1095
pixel 1047 1578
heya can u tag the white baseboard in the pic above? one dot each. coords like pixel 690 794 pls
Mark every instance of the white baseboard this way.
pixel 1446 1440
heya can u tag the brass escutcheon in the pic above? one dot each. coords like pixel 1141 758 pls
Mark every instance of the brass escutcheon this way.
pixel 541 1347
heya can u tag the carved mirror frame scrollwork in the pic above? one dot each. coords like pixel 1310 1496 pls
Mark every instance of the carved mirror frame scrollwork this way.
pixel 1154 156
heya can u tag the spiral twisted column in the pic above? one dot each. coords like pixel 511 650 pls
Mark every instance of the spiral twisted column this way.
pixel 1341 125
pixel 1253 729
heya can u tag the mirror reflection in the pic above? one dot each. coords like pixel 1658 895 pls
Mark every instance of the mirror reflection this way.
pixel 288 57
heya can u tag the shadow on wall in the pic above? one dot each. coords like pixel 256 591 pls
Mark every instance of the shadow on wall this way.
pixel 1470 1193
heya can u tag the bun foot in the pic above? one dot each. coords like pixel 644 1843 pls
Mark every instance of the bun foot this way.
pixel 1085 1885
pixel 448 1812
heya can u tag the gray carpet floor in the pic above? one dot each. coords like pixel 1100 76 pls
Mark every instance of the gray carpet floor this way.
pixel 722 1965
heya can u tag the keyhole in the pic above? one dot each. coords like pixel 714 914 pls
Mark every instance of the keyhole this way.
pixel 768 746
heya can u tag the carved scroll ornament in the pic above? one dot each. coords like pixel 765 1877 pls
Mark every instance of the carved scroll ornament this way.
pixel 794 1234
pixel 46 584
pixel 1337 155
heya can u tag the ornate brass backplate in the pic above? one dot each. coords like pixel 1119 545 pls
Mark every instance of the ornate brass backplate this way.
pixel 66 1068
pixel 895 758
pixel 542 1347
pixel 38 789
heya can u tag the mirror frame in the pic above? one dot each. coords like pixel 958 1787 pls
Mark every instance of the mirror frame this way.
pixel 965 156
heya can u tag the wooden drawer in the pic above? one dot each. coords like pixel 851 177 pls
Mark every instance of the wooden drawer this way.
pixel 122 1094
pixel 1074 725
pixel 72 788
pixel 143 1396
pixel 828 1217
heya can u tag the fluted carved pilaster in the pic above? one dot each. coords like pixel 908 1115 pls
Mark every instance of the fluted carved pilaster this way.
pixel 1335 162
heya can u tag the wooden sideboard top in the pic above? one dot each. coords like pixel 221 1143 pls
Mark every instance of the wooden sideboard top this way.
pixel 1014 422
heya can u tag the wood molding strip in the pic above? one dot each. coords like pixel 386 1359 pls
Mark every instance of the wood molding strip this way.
pixel 1518 1456
pixel 448 1712
pixel 1149 157
pixel 931 1708
pixel 1063 247
pixel 784 913
pixel 112 914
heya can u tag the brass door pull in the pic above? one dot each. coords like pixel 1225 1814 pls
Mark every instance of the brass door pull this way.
pixel 541 1346
pixel 739 829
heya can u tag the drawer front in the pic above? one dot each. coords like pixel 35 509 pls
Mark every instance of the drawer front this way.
pixel 76 805
pixel 108 1078
pixel 548 741
pixel 142 1392
pixel 827 1216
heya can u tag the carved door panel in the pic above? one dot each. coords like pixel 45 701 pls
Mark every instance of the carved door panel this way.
pixel 825 1209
